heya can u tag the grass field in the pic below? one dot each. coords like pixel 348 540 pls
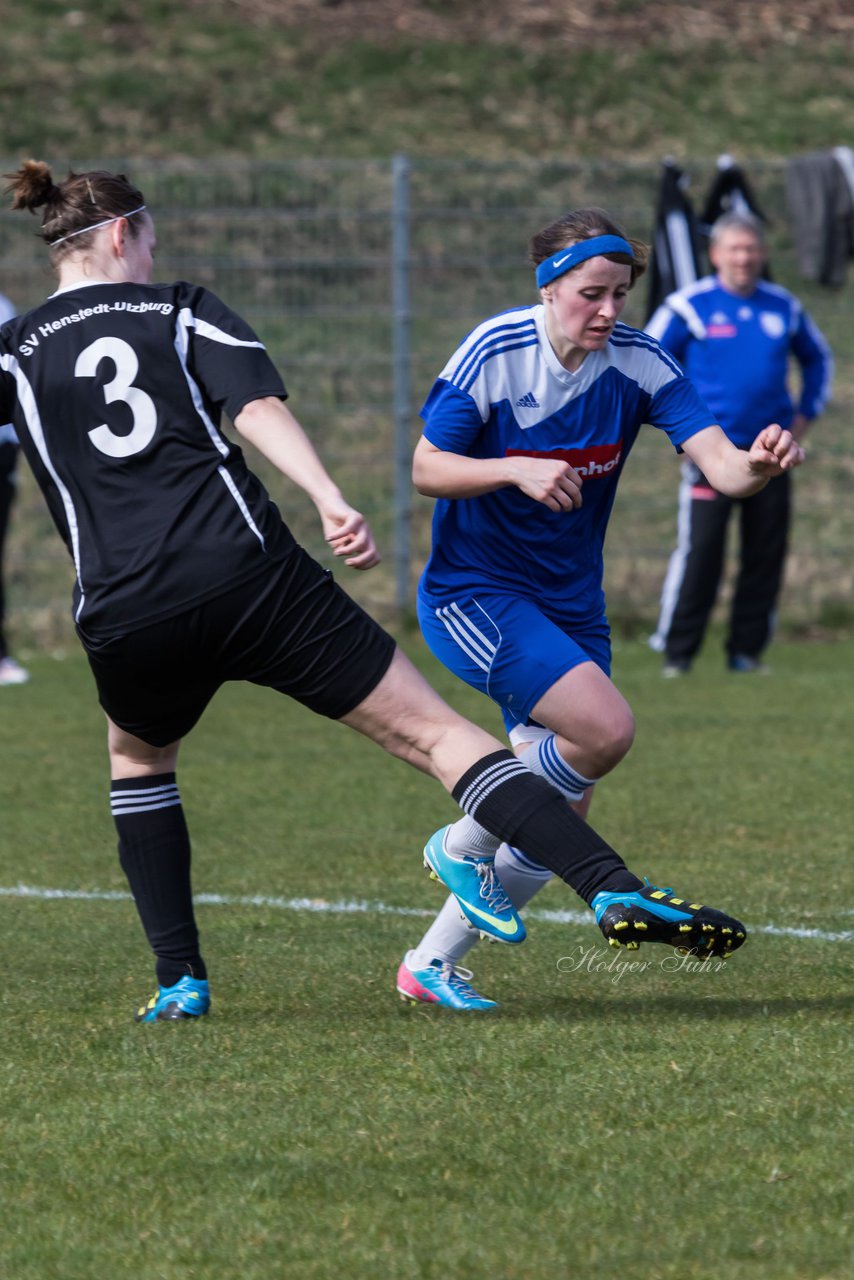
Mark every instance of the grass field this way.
pixel 635 1121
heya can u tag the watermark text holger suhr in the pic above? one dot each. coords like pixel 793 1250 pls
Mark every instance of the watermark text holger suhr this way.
pixel 603 960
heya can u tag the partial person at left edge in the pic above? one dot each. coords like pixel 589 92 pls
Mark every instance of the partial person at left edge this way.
pixel 11 671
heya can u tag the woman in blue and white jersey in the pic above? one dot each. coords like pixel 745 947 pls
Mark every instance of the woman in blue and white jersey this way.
pixel 526 432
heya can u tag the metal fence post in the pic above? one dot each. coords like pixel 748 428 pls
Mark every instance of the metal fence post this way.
pixel 401 377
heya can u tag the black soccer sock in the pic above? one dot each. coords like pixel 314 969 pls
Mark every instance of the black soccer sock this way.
pixel 154 852
pixel 502 794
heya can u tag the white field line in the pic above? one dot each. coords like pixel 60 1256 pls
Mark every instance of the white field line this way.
pixel 321 906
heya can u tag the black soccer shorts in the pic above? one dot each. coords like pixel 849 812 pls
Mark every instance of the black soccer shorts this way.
pixel 292 629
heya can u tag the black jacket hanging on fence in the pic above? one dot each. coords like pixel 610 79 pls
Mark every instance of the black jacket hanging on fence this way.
pixel 676 246
pixel 730 192
pixel 820 201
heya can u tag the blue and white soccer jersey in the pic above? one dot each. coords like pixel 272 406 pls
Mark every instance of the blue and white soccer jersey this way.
pixel 505 393
pixel 736 351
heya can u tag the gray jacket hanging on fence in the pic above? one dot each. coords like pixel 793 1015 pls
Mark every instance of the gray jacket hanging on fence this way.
pixel 820 201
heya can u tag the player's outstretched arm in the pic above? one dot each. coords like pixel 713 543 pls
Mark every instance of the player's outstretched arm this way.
pixel 742 472
pixel 269 425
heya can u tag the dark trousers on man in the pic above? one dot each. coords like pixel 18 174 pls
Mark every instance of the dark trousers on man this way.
pixel 696 566
pixel 8 459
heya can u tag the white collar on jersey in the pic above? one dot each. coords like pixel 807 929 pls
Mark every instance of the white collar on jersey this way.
pixel 80 284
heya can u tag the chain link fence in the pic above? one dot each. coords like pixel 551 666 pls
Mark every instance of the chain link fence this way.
pixel 361 278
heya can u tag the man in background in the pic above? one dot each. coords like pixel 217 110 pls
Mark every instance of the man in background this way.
pixel 734 333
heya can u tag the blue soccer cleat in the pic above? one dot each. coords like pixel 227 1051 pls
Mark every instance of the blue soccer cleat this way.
pixel 655 915
pixel 439 982
pixel 189 998
pixel 477 889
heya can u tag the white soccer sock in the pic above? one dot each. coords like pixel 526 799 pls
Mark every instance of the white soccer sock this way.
pixel 448 938
pixel 467 836
pixel 520 877
pixel 543 758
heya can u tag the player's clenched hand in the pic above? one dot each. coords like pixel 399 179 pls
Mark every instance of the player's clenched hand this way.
pixel 548 480
pixel 349 535
pixel 774 450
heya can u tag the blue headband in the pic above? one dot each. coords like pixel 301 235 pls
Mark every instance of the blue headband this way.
pixel 565 259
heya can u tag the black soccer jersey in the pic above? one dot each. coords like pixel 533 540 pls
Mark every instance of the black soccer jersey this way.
pixel 116 392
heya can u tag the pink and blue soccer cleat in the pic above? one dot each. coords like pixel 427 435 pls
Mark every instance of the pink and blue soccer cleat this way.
pixel 439 982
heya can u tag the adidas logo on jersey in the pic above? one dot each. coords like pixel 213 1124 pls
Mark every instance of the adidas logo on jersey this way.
pixel 528 401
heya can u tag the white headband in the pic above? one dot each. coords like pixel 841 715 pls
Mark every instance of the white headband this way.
pixel 95 226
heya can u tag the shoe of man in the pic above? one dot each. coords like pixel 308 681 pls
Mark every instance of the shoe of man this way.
pixel 477 889
pixel 11 672
pixel 744 664
pixel 673 670
pixel 439 982
pixel 655 915
pixel 189 998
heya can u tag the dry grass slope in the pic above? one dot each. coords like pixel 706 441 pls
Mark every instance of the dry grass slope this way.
pixel 561 23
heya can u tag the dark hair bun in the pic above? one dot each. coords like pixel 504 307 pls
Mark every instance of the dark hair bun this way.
pixel 32 185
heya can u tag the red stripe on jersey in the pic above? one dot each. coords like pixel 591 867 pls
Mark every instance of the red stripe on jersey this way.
pixel 703 493
pixel 592 462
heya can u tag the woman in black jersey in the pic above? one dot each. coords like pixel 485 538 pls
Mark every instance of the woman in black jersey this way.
pixel 186 577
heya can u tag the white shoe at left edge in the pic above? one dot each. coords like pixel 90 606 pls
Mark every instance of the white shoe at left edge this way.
pixel 11 672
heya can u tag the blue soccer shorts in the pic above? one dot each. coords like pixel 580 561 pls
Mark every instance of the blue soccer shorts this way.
pixel 507 648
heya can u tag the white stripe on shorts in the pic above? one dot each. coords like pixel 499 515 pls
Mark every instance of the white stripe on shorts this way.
pixel 464 633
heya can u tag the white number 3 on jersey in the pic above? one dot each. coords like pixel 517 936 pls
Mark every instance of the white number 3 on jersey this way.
pixel 121 388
